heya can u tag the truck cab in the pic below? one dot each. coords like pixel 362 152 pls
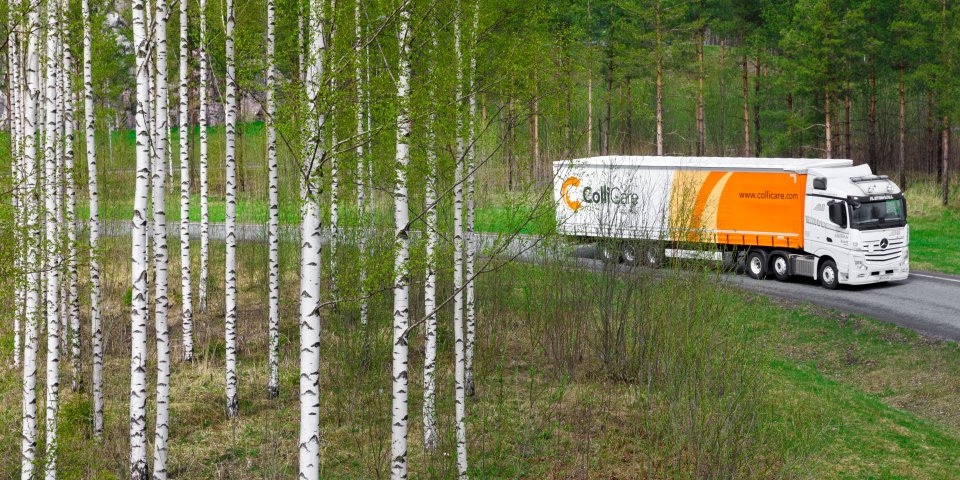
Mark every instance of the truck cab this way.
pixel 855 227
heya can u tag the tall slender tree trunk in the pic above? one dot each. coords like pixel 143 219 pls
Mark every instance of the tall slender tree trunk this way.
pixel 73 292
pixel 51 206
pixel 902 160
pixel 309 437
pixel 204 199
pixel 230 219
pixel 96 332
pixel 872 119
pixel 401 246
pixel 362 199
pixel 430 434
pixel 756 106
pixel 138 315
pixel 945 138
pixel 659 61
pixel 186 292
pixel 273 381
pixel 459 343
pixel 701 108
pixel 28 442
pixel 606 128
pixel 746 106
pixel 18 198
pixel 629 108
pixel 828 133
pixel 470 251
pixel 847 131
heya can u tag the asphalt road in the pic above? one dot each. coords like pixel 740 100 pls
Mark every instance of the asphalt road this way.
pixel 927 302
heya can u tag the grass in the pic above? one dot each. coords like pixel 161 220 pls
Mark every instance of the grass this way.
pixel 934 229
pixel 740 383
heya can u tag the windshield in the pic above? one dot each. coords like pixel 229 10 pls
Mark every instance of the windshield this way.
pixel 882 214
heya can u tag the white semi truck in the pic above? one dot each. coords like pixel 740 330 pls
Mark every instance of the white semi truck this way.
pixel 820 218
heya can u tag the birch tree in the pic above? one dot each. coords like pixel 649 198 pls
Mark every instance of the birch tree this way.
pixel 362 199
pixel 186 316
pixel 50 206
pixel 161 259
pixel 230 220
pixel 73 293
pixel 204 199
pixel 430 284
pixel 138 312
pixel 470 242
pixel 96 332
pixel 401 246
pixel 459 342
pixel 310 250
pixel 28 443
pixel 273 383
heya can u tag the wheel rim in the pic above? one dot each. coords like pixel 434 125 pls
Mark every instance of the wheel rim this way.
pixel 780 265
pixel 756 265
pixel 629 253
pixel 652 258
pixel 828 275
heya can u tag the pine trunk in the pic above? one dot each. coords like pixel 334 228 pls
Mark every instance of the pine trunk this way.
pixel 872 120
pixel 902 160
pixel 828 133
pixel 746 106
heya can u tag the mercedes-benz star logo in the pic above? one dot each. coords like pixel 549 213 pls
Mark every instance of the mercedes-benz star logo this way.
pixel 883 244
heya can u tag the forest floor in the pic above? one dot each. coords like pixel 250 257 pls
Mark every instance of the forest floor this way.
pixel 740 384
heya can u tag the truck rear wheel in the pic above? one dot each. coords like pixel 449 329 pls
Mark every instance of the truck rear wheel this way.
pixel 756 267
pixel 608 252
pixel 781 268
pixel 653 256
pixel 828 275
pixel 629 253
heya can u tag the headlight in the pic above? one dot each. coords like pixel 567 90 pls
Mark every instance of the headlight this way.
pixel 905 258
pixel 860 263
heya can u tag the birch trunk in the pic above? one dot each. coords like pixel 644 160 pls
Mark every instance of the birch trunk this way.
pixel 310 250
pixel 459 344
pixel 362 199
pixel 51 188
pixel 470 240
pixel 161 260
pixel 19 204
pixel 230 220
pixel 73 293
pixel 273 382
pixel 138 316
pixel 186 292
pixel 204 199
pixel 401 245
pixel 28 443
pixel 430 434
pixel 96 332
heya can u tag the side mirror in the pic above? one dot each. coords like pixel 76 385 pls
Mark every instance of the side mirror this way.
pixel 838 213
pixel 819 183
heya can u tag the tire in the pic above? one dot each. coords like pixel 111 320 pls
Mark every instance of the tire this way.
pixel 630 253
pixel 653 256
pixel 756 266
pixel 780 267
pixel 828 275
pixel 608 253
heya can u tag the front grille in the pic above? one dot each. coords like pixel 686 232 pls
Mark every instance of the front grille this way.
pixel 877 256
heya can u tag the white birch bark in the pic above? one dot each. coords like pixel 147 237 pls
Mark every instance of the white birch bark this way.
pixel 459 343
pixel 273 382
pixel 17 166
pixel 73 293
pixel 401 246
pixel 230 220
pixel 51 188
pixel 186 315
pixel 310 250
pixel 96 332
pixel 28 442
pixel 430 284
pixel 138 311
pixel 204 199
pixel 470 241
pixel 161 258
pixel 361 170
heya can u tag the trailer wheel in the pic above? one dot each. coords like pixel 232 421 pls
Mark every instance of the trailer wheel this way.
pixel 608 253
pixel 629 253
pixel 756 267
pixel 781 268
pixel 828 275
pixel 653 256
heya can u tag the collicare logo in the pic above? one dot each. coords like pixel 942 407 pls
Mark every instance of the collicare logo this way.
pixel 565 192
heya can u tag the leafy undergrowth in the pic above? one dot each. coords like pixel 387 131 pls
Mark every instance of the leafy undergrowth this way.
pixel 579 374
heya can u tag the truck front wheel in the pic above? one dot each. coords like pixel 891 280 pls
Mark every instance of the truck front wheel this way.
pixel 828 275
pixel 756 267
